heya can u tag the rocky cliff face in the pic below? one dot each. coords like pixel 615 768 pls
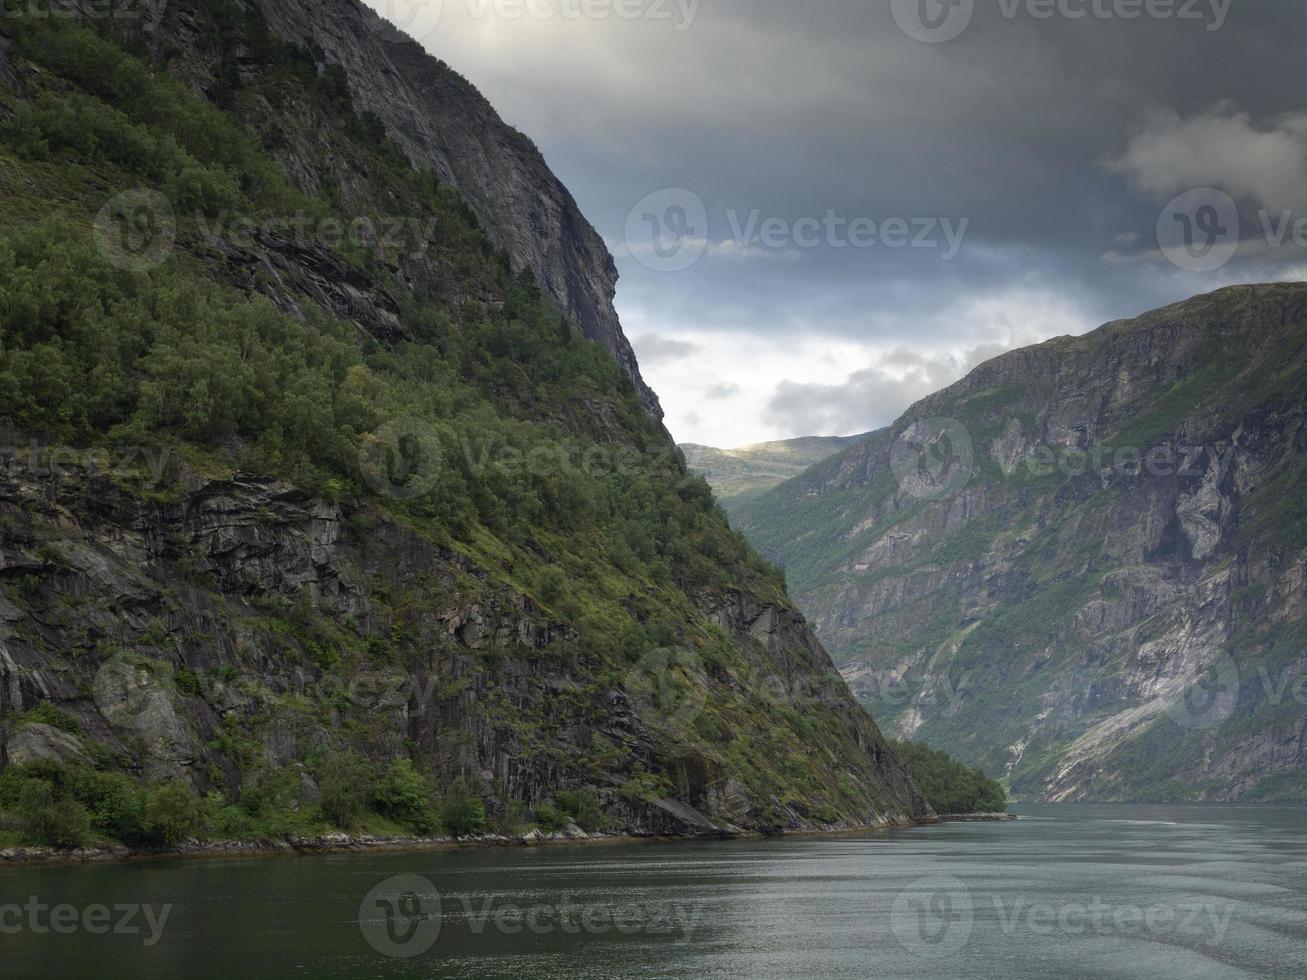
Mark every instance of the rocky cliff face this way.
pixel 191 639
pixel 443 123
pixel 1084 565
pixel 223 608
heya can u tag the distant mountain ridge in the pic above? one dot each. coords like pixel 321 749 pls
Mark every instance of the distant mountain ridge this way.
pixel 739 474
pixel 1084 565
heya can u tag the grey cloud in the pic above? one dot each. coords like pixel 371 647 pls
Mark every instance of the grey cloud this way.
pixel 718 392
pixel 872 397
pixel 798 108
pixel 868 400
pixel 1258 163
pixel 652 349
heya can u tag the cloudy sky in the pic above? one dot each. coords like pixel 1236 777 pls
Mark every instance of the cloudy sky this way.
pixel 824 209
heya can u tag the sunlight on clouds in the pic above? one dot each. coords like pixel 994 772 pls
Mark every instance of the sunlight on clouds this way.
pixel 729 389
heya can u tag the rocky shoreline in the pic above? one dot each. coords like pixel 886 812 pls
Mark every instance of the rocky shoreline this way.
pixel 342 843
pixel 336 843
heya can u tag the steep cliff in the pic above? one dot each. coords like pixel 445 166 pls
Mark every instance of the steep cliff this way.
pixel 1085 564
pixel 306 480
pixel 442 123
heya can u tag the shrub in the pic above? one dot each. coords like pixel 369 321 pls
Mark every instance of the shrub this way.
pixel 188 683
pixel 203 189
pixel 345 787
pixel 513 821
pixel 173 813
pixel 404 794
pixel 47 820
pixel 645 787
pixel 116 804
pixel 46 713
pixel 461 813
pixel 583 807
pixel 550 819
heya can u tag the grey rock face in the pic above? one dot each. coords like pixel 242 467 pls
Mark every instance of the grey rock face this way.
pixel 1129 524
pixel 138 705
pixel 175 630
pixel 34 741
pixel 445 123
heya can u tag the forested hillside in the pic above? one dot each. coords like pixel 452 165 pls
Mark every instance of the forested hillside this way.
pixel 321 512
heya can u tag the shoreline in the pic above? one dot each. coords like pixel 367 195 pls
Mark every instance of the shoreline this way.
pixel 342 843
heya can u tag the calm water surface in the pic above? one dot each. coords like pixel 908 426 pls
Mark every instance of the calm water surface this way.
pixel 1065 892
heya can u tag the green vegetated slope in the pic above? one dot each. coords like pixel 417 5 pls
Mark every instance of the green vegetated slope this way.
pixel 306 527
pixel 1082 567
pixel 739 475
pixel 950 787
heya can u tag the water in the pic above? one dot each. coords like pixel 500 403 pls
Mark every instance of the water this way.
pixel 1066 892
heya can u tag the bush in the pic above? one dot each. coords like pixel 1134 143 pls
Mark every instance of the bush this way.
pixel 47 820
pixel 173 813
pixel 46 713
pixel 62 806
pixel 583 807
pixel 550 819
pixel 513 821
pixel 461 813
pixel 646 787
pixel 203 189
pixel 404 794
pixel 345 787
pixel 188 683
pixel 116 804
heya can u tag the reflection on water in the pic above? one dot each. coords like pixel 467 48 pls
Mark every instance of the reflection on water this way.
pixel 1111 891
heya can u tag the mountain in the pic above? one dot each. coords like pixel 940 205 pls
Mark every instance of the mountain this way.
pixel 1083 566
pixel 737 475
pixel 443 123
pixel 331 488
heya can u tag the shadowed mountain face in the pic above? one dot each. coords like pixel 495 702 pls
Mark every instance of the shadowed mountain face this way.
pixel 1085 564
pixel 738 475
pixel 306 502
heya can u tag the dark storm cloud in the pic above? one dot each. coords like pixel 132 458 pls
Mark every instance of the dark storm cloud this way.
pixel 1054 142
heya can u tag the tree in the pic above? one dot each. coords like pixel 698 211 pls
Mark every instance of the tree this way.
pixel 405 795
pixel 461 812
pixel 345 787
pixel 61 823
pixel 173 813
